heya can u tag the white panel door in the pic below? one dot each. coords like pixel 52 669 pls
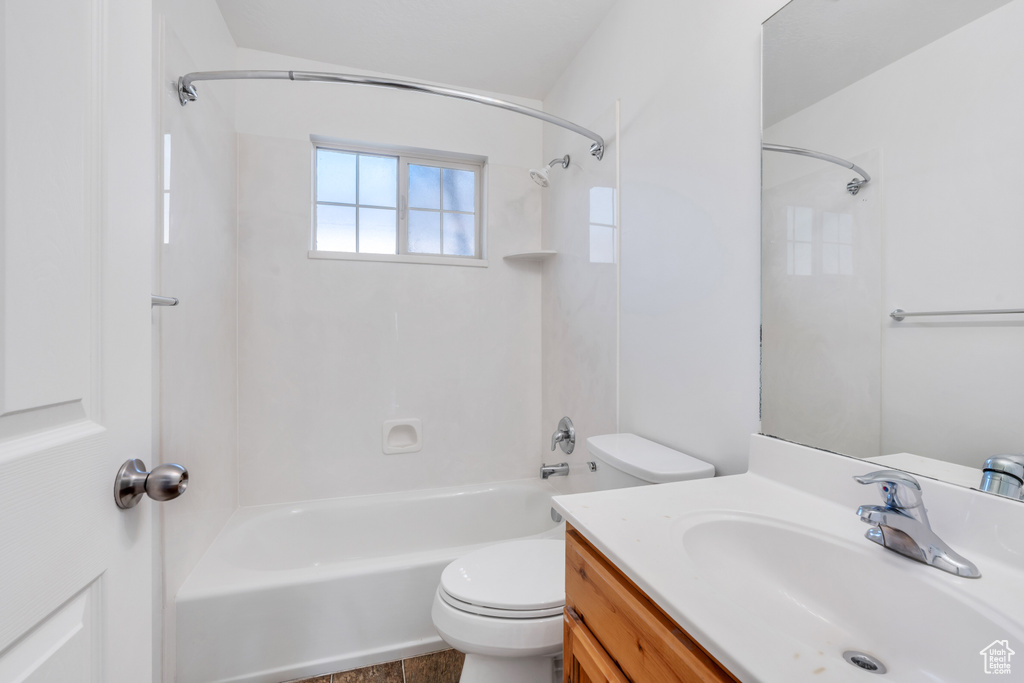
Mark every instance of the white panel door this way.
pixel 76 217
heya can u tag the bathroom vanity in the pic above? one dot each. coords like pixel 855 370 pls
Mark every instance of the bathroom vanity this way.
pixel 614 632
pixel 767 577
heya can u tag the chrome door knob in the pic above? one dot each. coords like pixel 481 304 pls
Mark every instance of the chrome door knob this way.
pixel 165 482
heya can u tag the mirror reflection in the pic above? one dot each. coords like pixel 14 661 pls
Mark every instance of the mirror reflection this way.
pixel 924 98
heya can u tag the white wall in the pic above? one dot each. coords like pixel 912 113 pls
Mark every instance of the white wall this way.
pixel 688 77
pixel 197 339
pixel 947 128
pixel 329 349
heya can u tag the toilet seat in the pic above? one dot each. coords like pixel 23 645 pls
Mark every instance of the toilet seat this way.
pixel 513 580
pixel 499 613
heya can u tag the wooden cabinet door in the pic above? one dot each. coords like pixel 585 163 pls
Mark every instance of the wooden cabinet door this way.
pixel 585 661
pixel 642 642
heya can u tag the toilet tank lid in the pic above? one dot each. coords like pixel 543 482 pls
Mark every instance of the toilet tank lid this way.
pixel 647 460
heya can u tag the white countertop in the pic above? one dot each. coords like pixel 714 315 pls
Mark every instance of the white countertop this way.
pixel 641 530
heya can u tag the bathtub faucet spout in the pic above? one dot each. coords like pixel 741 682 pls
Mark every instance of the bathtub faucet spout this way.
pixel 559 470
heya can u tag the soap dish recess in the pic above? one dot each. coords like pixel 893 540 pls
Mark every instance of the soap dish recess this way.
pixel 402 436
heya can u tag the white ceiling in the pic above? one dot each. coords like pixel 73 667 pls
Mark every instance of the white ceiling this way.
pixel 813 48
pixel 516 47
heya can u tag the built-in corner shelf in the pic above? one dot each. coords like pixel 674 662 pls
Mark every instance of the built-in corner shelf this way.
pixel 539 255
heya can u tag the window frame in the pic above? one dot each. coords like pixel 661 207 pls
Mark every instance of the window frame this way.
pixel 406 156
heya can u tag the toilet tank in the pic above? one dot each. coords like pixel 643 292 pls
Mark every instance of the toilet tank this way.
pixel 630 460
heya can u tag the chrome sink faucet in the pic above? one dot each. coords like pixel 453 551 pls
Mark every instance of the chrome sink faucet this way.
pixel 1004 476
pixel 901 524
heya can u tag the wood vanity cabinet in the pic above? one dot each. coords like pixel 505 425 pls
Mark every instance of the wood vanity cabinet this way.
pixel 613 632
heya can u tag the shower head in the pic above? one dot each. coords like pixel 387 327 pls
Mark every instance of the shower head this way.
pixel 541 176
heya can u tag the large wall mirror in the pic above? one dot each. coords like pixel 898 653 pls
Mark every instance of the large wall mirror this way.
pixel 921 104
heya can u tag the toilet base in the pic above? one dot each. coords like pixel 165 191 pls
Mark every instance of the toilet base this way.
pixel 486 669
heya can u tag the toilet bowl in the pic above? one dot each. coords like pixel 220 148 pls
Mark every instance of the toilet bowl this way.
pixel 502 605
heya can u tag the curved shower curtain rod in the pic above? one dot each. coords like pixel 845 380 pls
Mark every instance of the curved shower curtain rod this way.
pixel 853 187
pixel 187 93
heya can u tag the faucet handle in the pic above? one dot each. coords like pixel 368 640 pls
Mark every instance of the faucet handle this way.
pixel 564 436
pixel 900 491
pixel 892 477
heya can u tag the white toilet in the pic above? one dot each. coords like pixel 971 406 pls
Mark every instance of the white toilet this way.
pixel 502 605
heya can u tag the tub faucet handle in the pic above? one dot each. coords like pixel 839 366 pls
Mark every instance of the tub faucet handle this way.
pixel 564 436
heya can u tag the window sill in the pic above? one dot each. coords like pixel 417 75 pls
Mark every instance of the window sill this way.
pixel 400 258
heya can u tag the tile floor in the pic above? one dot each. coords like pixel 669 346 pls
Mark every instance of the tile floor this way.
pixel 438 667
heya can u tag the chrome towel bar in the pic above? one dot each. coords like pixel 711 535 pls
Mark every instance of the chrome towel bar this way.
pixel 163 300
pixel 899 314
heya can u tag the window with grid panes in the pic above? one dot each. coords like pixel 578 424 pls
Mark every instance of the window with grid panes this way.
pixel 393 203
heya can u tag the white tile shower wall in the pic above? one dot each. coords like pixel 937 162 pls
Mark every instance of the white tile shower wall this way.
pixel 329 350
pixel 197 339
pixel 580 305
pixel 687 74
pixel 951 220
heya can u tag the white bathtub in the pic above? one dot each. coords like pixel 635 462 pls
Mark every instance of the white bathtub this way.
pixel 287 591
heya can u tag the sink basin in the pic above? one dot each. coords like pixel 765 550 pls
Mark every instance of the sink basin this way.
pixel 826 595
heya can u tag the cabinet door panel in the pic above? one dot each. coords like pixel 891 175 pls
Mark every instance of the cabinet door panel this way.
pixel 585 661
pixel 645 643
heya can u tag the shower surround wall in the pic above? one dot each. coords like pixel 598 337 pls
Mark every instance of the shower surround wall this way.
pixel 330 349
pixel 822 321
pixel 580 291
pixel 197 339
pixel 688 79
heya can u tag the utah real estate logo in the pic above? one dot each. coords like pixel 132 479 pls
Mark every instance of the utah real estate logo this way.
pixel 997 657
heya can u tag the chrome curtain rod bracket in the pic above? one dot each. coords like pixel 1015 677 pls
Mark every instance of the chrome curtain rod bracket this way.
pixel 187 93
pixel 899 314
pixel 853 187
